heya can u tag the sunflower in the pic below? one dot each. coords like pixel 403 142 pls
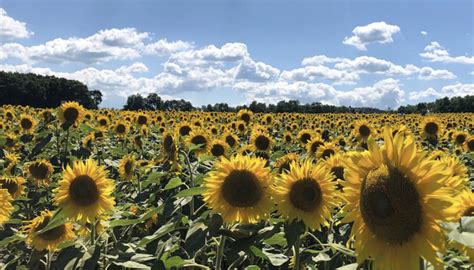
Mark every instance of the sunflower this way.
pixel 199 138
pixel 305 192
pixel 238 189
pixel 287 138
pixel 313 145
pixel 85 192
pixel 431 128
pixel 245 115
pixel 87 142
pixel 283 163
pixel 241 127
pixel 304 136
pixel 6 206
pixel 40 171
pixel 337 165
pixel 142 119
pixel 184 129
pixel 103 121
pixel 27 123
pixel 261 141
pixel 14 185
pixel 219 148
pixel 326 150
pixel 127 166
pixel 231 139
pixel 469 144
pixel 395 198
pixel 168 146
pixel 458 180
pixel 71 113
pixel 463 206
pixel 50 239
pixel 362 130
pixel 460 137
pixel 121 128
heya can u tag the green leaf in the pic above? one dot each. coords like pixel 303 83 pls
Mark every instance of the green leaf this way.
pixel 174 182
pixel 276 239
pixel 352 266
pixel 132 264
pixel 276 259
pixel 56 220
pixel 174 261
pixel 123 222
pixel 252 267
pixel 322 257
pixel 191 192
pixel 159 233
pixel 154 177
pixel 12 239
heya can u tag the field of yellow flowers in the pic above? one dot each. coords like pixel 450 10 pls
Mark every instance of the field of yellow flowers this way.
pixel 110 189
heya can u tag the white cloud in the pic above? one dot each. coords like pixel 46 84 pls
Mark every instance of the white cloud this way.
pixel 312 73
pixel 320 60
pixel 163 47
pixel 106 45
pixel 383 94
pixel 427 73
pixel 424 33
pixel 434 52
pixel 255 71
pixel 12 29
pixel 134 68
pixel 455 90
pixel 379 32
pixel 368 64
pixel 212 55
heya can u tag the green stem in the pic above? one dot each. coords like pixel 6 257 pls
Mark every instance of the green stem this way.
pixel 48 260
pixel 191 184
pixel 93 232
pixel 220 252
pixel 297 253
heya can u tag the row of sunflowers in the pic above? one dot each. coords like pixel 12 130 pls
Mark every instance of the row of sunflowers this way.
pixel 110 189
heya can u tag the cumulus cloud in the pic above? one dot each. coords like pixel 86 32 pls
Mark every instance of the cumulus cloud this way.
pixel 312 73
pixel 368 64
pixel 424 33
pixel 454 90
pixel 165 47
pixel 12 29
pixel 427 73
pixel 379 32
pixel 383 94
pixel 434 52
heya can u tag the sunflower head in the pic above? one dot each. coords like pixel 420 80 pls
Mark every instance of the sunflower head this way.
pixel 85 192
pixel 305 192
pixel 13 184
pixel 395 197
pixel 231 139
pixel 326 150
pixel 238 189
pixel 219 148
pixel 313 145
pixel 27 123
pixel 199 138
pixel 362 130
pixel 305 136
pixel 283 163
pixel 40 171
pixel 142 119
pixel 121 128
pixel 50 239
pixel 261 141
pixel 71 113
pixel 245 115
pixel 127 167
pixel 168 146
pixel 184 129
pixel 6 206
pixel 431 128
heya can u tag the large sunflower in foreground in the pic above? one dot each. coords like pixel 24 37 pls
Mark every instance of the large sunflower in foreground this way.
pixel 50 239
pixel 6 206
pixel 239 189
pixel 85 192
pixel 306 193
pixel 71 113
pixel 395 198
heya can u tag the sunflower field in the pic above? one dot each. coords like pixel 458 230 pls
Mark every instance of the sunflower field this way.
pixel 111 189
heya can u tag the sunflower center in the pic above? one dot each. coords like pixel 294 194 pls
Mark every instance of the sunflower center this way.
pixel 431 128
pixel 26 123
pixel 315 146
pixel 305 194
pixel 390 205
pixel 184 130
pixel 52 234
pixel 230 140
pixel 83 190
pixel 217 150
pixel 168 143
pixel 262 142
pixel 103 122
pixel 288 138
pixel 338 172
pixel 11 186
pixel 71 114
pixel 142 120
pixel 38 171
pixel 460 139
pixel 128 167
pixel 121 128
pixel 305 138
pixel 469 212
pixel 327 153
pixel 199 139
pixel 241 188
pixel 245 117
pixel 364 131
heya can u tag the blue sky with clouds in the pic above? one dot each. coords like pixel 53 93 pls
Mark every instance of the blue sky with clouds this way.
pixel 360 53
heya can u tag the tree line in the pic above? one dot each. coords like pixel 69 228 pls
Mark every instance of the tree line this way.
pixel 49 91
pixel 44 91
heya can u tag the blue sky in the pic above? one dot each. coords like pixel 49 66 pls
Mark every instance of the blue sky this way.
pixel 360 53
